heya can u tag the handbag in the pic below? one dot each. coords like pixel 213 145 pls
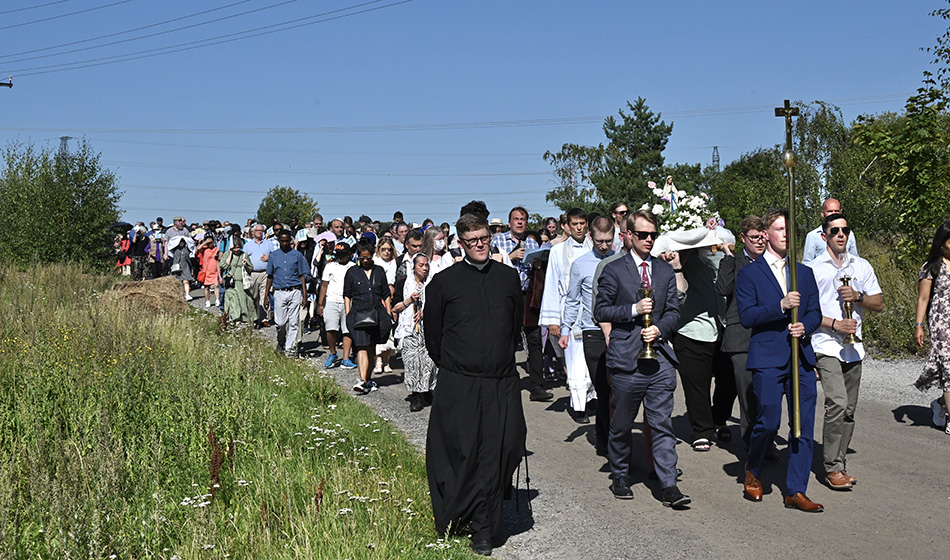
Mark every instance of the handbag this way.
pixel 228 282
pixel 364 318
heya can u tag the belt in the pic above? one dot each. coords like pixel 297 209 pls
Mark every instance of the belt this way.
pixel 287 289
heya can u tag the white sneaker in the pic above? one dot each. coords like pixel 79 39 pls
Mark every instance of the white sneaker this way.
pixel 359 388
pixel 188 297
pixel 370 386
pixel 207 304
pixel 940 415
pixel 216 303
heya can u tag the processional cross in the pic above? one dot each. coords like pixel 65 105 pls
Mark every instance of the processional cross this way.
pixel 789 159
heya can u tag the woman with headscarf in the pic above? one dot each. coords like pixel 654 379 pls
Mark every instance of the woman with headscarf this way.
pixel 420 372
pixel 238 304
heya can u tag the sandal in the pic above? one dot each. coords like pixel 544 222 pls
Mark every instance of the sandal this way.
pixel 701 444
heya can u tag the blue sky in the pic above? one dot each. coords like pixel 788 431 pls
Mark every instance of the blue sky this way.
pixel 425 105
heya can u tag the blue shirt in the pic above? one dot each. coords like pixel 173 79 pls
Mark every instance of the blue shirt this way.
pixel 507 243
pixel 255 251
pixel 580 293
pixel 286 268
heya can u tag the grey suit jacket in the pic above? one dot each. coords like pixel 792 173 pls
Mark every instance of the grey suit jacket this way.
pixel 735 338
pixel 618 290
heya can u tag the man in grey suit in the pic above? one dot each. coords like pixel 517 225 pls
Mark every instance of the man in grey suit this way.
pixel 652 382
pixel 735 338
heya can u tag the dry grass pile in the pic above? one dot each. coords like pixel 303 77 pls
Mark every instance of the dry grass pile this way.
pixel 162 295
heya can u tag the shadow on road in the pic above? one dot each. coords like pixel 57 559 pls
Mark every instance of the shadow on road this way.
pixel 917 415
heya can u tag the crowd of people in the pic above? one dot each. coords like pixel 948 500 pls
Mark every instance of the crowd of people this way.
pixel 604 303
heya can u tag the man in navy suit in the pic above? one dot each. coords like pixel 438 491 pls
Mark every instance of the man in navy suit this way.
pixel 620 302
pixel 764 306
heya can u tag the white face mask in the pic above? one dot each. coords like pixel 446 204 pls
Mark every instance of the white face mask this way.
pixel 439 244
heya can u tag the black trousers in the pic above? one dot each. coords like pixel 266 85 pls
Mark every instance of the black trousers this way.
pixel 595 353
pixel 535 356
pixel 700 363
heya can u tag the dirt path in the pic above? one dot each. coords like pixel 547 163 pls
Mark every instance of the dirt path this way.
pixel 899 508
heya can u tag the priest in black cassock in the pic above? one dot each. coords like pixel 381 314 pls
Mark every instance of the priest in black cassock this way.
pixel 472 317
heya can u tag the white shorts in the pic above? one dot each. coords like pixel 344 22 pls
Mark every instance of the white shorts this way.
pixel 334 316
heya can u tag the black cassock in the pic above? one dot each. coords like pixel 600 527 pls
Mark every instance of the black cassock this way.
pixel 476 436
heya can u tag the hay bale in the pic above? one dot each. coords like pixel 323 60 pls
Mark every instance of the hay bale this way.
pixel 163 295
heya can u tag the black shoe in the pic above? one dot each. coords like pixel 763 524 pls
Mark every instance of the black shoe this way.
pixel 541 394
pixel 427 398
pixel 579 417
pixel 621 488
pixel 724 435
pixel 559 375
pixel 416 402
pixel 654 476
pixel 673 498
pixel 481 547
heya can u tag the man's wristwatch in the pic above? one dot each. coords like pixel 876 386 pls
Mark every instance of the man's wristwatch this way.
pixel 860 296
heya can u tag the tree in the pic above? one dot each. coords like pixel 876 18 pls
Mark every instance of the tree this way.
pixel 57 207
pixel 284 204
pixel 594 177
pixel 752 184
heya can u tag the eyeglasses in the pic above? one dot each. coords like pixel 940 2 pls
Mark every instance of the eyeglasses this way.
pixel 622 212
pixel 483 240
pixel 641 235
pixel 755 238
pixel 603 241
pixel 834 231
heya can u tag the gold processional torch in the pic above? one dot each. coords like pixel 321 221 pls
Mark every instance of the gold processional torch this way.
pixel 647 353
pixel 790 161
pixel 848 306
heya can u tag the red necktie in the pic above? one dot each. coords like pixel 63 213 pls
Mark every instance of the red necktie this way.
pixel 645 279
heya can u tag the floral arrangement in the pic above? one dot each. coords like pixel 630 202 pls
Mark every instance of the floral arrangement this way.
pixel 682 211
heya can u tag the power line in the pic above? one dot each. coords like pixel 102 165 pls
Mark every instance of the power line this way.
pixel 321 173
pixel 65 15
pixel 116 34
pixel 221 39
pixel 350 193
pixel 33 7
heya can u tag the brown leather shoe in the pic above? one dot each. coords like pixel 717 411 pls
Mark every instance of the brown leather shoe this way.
pixel 752 487
pixel 800 501
pixel 837 480
pixel 851 478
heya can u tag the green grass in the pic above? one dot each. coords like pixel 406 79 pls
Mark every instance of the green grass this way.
pixel 106 447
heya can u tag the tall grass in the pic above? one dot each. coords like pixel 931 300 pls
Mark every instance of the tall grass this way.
pixel 890 333
pixel 126 433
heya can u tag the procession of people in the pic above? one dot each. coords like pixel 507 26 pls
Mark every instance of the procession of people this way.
pixel 624 311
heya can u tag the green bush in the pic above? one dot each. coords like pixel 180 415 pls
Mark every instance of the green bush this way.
pixel 890 333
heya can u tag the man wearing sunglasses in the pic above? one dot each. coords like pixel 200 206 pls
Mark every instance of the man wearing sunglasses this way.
pixel 838 362
pixel 620 302
pixel 618 211
pixel 765 298
pixel 815 242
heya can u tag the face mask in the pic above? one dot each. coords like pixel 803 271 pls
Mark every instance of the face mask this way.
pixel 440 244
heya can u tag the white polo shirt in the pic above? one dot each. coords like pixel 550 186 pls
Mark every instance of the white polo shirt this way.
pixel 824 341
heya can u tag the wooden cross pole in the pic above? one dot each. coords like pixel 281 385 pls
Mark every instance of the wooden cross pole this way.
pixel 790 161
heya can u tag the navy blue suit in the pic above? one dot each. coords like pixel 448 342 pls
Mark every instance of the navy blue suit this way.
pixel 633 381
pixel 758 295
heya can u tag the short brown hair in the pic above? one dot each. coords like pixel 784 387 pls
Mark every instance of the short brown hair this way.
pixel 602 224
pixel 646 215
pixel 751 222
pixel 517 209
pixel 773 215
pixel 470 222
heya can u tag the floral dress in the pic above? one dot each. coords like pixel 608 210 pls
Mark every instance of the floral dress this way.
pixel 937 369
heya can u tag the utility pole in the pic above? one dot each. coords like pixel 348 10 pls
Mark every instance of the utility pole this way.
pixel 64 144
pixel 8 83
pixel 715 162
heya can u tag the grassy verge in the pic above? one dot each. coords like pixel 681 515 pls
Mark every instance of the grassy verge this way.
pixel 128 433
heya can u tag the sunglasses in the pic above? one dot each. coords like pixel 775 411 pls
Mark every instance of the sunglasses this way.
pixel 834 231
pixel 641 235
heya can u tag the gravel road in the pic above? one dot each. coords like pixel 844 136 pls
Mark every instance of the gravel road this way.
pixel 897 509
